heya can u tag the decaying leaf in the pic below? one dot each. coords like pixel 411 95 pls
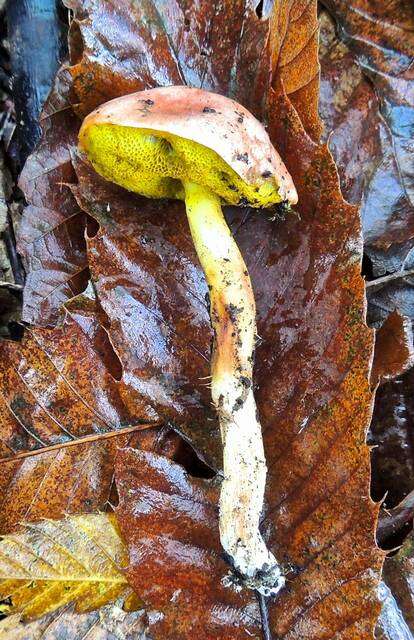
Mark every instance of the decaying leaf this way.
pixel 294 35
pixel 365 74
pixel 63 420
pixel 108 623
pixel 51 235
pixel 394 350
pixel 170 524
pixel 77 478
pixel 359 137
pixel 398 574
pixel 365 103
pixel 391 624
pixel 390 433
pixel 54 562
pixel 349 110
pixel 381 36
pixel 59 384
pixel 312 364
pixel 74 479
pixel 147 44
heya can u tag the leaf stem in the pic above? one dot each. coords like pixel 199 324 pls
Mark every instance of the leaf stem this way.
pixel 79 441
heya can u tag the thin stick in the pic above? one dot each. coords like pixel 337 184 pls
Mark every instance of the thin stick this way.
pixel 392 521
pixel 264 615
pixel 381 282
pixel 10 285
pixel 79 441
pixel 15 260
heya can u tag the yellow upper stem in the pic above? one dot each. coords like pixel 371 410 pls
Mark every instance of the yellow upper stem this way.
pixel 232 306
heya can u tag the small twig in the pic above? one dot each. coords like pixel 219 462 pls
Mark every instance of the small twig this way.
pixel 393 520
pixel 378 283
pixel 264 615
pixel 15 260
pixel 10 285
pixel 79 441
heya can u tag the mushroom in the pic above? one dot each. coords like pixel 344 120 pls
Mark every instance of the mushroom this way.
pixel 208 150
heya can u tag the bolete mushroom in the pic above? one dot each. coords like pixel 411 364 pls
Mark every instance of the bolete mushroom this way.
pixel 206 149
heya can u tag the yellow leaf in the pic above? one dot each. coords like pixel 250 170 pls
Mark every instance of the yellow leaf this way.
pixel 53 562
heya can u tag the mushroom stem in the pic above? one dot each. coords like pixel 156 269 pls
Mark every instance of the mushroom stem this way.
pixel 233 317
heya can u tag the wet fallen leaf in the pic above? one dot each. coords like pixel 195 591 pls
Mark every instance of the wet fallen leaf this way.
pixel 63 419
pixel 359 137
pixel 381 36
pixel 168 44
pixel 394 350
pixel 170 523
pixel 109 623
pixel 390 433
pixel 295 42
pixel 54 562
pixel 59 384
pixel 312 366
pixel 391 624
pixel 398 575
pixel 349 110
pixel 51 234
pixel 365 84
pixel 71 479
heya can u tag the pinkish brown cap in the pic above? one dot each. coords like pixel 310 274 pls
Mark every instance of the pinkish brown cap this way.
pixel 207 118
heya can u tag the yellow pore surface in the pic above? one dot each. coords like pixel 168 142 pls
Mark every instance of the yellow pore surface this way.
pixel 154 164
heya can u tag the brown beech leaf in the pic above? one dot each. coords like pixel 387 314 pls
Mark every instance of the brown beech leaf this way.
pixel 349 110
pixel 399 576
pixel 394 351
pixel 312 366
pixel 170 524
pixel 128 46
pixel 381 36
pixel 59 385
pixel 109 623
pixel 294 34
pixel 359 137
pixel 391 623
pixel 391 430
pixel 77 478
pixel 61 399
pixel 51 234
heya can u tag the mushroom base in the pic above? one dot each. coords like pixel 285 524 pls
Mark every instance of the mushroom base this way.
pixel 233 318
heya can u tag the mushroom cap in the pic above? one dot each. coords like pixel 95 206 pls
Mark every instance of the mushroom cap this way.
pixel 208 120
